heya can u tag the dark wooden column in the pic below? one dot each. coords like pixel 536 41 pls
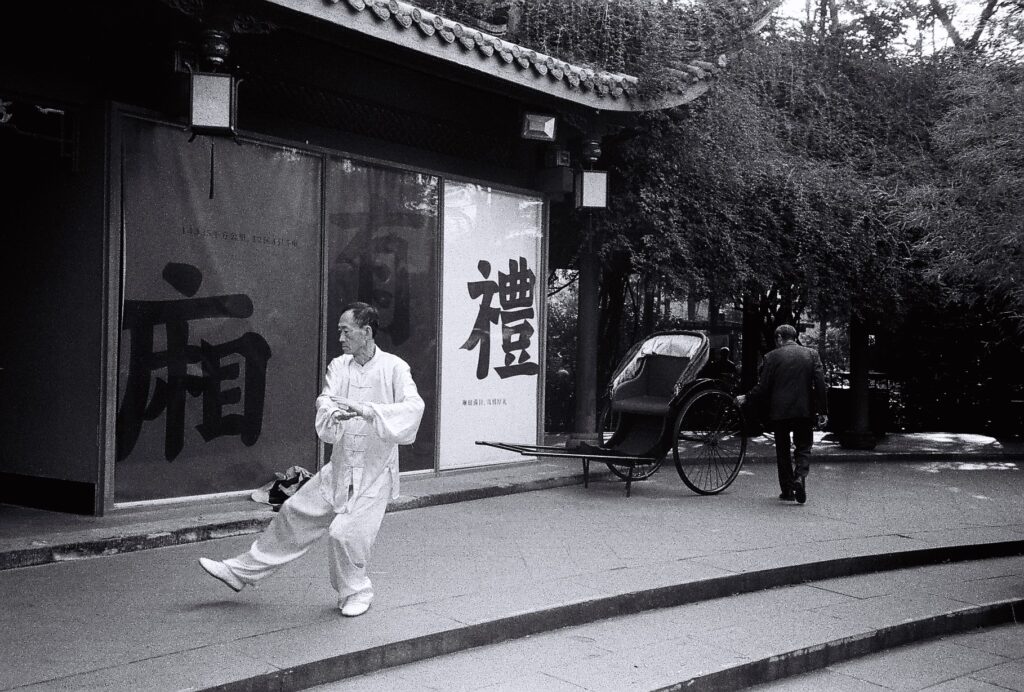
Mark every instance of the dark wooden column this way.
pixel 585 427
pixel 751 343
pixel 858 435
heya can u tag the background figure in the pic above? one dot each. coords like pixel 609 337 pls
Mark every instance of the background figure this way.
pixel 726 369
pixel 790 389
pixel 721 367
pixel 368 406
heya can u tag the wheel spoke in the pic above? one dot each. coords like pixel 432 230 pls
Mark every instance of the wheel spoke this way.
pixel 709 449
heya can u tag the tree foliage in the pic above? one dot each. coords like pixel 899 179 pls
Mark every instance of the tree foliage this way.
pixel 781 182
pixel 861 161
pixel 971 211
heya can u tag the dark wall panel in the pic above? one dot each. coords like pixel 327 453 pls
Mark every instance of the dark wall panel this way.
pixel 51 278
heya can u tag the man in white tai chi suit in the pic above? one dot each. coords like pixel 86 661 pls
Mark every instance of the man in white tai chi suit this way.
pixel 368 406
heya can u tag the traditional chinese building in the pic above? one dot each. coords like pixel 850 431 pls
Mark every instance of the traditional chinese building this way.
pixel 195 188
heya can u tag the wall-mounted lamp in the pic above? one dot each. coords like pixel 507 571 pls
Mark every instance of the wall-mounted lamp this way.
pixel 538 126
pixel 591 189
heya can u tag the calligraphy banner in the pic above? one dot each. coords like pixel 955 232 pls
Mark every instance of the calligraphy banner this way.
pixel 491 331
pixel 382 227
pixel 218 365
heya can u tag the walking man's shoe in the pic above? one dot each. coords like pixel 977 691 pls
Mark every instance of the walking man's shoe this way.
pixel 356 604
pixel 799 490
pixel 787 496
pixel 221 572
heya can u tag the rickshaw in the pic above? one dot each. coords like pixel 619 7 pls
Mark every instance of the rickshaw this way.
pixel 657 402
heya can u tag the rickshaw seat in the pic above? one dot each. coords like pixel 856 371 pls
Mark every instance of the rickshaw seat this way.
pixel 651 391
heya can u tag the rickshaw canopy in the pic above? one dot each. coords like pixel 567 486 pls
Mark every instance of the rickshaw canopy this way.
pixel 693 346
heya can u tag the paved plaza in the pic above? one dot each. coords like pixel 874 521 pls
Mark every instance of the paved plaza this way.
pixel 451 577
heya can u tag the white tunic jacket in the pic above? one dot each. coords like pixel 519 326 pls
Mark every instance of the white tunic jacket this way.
pixel 365 453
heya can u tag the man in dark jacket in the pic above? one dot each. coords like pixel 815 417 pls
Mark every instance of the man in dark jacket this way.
pixel 790 390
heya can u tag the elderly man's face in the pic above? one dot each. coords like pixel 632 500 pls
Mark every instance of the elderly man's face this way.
pixel 353 338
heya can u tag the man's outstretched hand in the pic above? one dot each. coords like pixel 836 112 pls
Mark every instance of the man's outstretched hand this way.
pixel 351 409
pixel 343 414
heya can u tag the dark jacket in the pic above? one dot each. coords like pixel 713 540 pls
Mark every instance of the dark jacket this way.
pixel 790 384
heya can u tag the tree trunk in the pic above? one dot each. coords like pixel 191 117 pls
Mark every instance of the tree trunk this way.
pixel 515 16
pixel 649 312
pixel 751 342
pixel 585 425
pixel 822 334
pixel 828 18
pixel 858 435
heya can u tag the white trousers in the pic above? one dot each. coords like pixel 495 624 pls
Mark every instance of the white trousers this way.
pixel 304 518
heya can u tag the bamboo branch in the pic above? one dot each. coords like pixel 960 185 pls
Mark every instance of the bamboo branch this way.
pixel 564 286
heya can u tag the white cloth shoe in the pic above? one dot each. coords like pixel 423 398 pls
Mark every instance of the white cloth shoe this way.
pixel 218 570
pixel 356 604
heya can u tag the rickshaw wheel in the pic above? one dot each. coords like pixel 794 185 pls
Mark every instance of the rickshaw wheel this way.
pixel 607 425
pixel 709 445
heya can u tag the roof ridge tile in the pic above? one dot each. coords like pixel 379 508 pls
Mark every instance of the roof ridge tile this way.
pixel 599 83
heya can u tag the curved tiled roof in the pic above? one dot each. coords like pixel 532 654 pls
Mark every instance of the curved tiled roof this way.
pixel 407 25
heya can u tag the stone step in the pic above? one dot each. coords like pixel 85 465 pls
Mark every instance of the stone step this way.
pixel 297 655
pixel 733 642
pixel 990 659
pixel 483 619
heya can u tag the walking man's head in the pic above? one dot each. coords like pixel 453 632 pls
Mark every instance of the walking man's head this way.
pixel 357 330
pixel 785 334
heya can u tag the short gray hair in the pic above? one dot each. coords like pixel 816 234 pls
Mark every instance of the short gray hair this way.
pixel 786 332
pixel 364 315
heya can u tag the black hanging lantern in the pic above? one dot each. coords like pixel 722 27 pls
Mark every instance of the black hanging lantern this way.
pixel 213 95
pixel 591 186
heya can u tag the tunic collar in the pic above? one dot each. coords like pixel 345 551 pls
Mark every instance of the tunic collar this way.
pixel 373 358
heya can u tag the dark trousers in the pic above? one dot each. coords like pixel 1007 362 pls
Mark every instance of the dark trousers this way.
pixel 802 430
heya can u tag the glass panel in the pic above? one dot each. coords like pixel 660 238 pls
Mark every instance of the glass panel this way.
pixel 220 326
pixel 492 333
pixel 381 240
pixel 211 100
